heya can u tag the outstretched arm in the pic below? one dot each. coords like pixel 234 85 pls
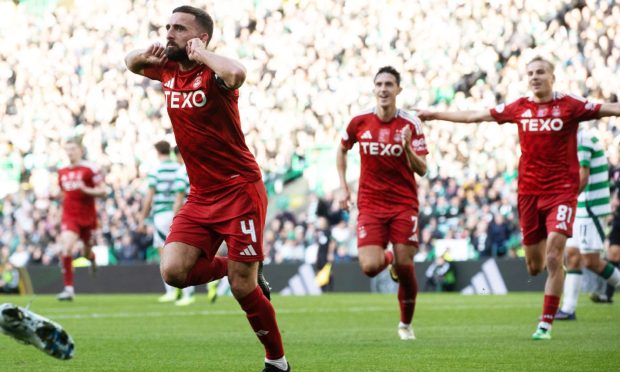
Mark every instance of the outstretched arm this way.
pixel 229 70
pixel 140 59
pixel 609 109
pixel 457 116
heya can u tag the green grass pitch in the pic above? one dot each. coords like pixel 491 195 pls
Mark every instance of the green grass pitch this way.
pixel 334 332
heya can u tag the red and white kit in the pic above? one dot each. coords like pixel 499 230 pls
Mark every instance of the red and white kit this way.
pixel 548 167
pixel 387 195
pixel 228 200
pixel 78 211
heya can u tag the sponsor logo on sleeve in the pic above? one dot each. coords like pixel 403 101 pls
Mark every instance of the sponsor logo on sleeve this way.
pixel 419 144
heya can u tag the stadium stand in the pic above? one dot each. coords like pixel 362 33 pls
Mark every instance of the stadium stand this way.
pixel 62 75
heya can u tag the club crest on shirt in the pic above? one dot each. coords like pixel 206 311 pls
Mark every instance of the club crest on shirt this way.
pixel 397 136
pixel 384 135
pixel 555 111
pixel 197 81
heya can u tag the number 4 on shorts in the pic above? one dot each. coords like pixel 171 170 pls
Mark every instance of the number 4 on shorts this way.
pixel 249 229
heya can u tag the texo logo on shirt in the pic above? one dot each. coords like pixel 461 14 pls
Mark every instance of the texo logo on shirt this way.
pixel 381 149
pixel 197 98
pixel 542 125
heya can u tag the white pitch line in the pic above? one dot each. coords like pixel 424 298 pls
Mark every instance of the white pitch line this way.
pixel 158 314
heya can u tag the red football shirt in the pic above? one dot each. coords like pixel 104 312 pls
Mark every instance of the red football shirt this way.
pixel 207 128
pixel 548 136
pixel 78 206
pixel 386 184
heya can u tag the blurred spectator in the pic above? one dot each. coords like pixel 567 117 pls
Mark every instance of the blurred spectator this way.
pixel 440 276
pixel 497 236
pixel 64 76
pixel 9 279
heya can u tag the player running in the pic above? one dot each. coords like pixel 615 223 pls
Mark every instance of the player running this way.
pixel 228 200
pixel 548 171
pixel 392 148
pixel 80 183
pixel 158 202
pixel 584 248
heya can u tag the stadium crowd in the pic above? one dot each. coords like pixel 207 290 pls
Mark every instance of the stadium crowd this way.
pixel 308 63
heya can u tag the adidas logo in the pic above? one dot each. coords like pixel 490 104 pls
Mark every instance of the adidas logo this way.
pixel 249 251
pixel 169 84
pixel 561 226
pixel 366 135
pixel 527 114
pixel 413 238
pixel 489 281
pixel 303 283
pixel 261 333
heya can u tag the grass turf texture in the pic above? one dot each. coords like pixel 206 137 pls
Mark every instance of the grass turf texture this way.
pixel 335 332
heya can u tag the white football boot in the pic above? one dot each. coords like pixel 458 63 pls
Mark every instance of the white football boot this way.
pixel 36 330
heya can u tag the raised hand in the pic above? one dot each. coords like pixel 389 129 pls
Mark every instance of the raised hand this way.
pixel 405 136
pixel 425 115
pixel 194 47
pixel 155 54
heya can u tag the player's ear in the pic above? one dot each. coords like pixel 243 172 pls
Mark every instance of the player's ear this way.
pixel 205 37
pixel 400 89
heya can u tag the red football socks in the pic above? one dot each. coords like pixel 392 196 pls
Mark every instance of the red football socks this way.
pixel 407 292
pixel 262 317
pixel 67 270
pixel 550 307
pixel 205 271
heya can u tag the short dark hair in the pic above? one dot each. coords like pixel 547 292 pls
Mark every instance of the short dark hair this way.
pixel 203 18
pixel 389 70
pixel 163 147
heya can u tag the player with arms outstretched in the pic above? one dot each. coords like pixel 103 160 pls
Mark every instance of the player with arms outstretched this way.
pixel 227 200
pixel 392 149
pixel 548 171
pixel 80 183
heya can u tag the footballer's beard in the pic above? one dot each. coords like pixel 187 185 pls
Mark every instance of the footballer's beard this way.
pixel 176 54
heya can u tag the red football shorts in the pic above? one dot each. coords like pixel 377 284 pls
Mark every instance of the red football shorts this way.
pixel 236 215
pixel 540 215
pixel 399 228
pixel 85 232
